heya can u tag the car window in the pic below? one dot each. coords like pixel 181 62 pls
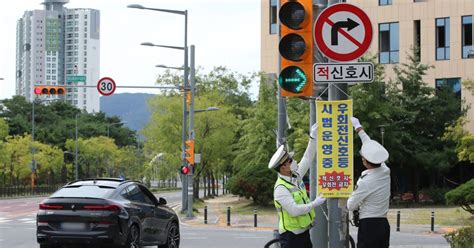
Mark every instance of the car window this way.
pixel 91 191
pixel 148 195
pixel 136 195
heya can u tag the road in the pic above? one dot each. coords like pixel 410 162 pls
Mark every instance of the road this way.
pixel 18 229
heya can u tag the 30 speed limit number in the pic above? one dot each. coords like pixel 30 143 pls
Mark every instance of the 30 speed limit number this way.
pixel 106 86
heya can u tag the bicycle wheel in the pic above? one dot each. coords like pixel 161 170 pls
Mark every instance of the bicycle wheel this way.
pixel 351 241
pixel 274 243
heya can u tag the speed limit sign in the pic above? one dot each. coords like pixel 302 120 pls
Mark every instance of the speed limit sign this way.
pixel 106 86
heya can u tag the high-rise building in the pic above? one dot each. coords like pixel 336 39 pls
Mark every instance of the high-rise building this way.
pixel 59 46
pixel 441 29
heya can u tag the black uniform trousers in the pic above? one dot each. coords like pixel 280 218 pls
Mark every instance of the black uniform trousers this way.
pixel 291 240
pixel 373 233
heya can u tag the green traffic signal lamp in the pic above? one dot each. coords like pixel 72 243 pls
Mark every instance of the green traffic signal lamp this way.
pixel 293 79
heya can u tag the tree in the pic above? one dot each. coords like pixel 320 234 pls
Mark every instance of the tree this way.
pixel 214 131
pixel 3 129
pixel 251 176
pixel 462 196
pixel 55 122
pixel 419 116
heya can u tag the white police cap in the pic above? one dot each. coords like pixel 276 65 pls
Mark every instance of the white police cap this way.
pixel 374 152
pixel 280 156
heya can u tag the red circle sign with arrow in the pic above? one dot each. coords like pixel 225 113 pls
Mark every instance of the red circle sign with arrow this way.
pixel 343 32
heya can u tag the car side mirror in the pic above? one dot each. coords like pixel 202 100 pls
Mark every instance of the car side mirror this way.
pixel 162 201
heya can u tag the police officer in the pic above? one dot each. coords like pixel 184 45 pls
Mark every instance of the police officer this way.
pixel 372 193
pixel 295 210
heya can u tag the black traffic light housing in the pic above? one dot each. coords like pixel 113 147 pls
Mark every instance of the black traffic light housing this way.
pixel 296 48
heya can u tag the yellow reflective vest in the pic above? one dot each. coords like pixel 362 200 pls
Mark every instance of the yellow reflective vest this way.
pixel 288 222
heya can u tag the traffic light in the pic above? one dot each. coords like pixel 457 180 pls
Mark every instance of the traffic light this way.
pixel 50 90
pixel 190 151
pixel 296 47
pixel 184 170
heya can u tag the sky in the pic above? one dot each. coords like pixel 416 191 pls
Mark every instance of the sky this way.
pixel 224 32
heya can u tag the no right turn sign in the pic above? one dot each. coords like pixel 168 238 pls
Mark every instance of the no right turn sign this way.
pixel 343 32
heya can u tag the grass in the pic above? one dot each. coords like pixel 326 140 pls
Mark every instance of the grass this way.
pixel 446 216
pixel 421 215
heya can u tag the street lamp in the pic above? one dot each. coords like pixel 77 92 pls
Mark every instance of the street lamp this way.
pixel 382 132
pixel 206 110
pixel 185 83
pixel 164 46
pixel 169 67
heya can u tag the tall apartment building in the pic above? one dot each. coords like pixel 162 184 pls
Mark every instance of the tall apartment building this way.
pixel 442 29
pixel 59 46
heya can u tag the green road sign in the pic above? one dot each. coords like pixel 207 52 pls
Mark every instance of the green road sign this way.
pixel 75 78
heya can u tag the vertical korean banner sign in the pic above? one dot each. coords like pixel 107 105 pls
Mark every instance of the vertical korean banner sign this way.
pixel 335 148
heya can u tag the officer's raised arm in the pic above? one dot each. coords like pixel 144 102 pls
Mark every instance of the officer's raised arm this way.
pixel 310 153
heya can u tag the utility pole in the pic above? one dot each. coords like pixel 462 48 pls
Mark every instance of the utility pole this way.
pixel 184 202
pixel 75 157
pixel 191 134
pixel 337 213
pixel 319 234
pixel 281 137
pixel 33 148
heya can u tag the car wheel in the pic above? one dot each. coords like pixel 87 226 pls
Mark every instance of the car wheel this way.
pixel 133 239
pixel 173 238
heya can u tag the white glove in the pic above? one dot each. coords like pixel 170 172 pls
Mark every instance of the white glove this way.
pixel 314 130
pixel 355 122
pixel 318 201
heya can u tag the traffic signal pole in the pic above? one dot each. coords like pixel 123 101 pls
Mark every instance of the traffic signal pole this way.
pixel 191 135
pixel 337 212
pixel 281 124
pixel 319 234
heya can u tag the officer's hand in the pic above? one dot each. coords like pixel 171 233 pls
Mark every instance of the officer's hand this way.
pixel 355 122
pixel 318 201
pixel 314 130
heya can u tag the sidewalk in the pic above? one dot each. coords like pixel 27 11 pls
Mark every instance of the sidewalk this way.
pixel 217 217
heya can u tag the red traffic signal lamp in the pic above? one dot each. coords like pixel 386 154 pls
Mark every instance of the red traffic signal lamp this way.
pixel 50 90
pixel 296 48
pixel 185 170
pixel 190 151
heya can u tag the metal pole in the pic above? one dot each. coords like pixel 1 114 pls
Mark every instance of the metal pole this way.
pixel 338 215
pixel 205 214
pixel 432 221
pixel 75 162
pixel 228 216
pixel 191 134
pixel 33 148
pixel 184 204
pixel 398 221
pixel 319 234
pixel 281 101
pixel 254 217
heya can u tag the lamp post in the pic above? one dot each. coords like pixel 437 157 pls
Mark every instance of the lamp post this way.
pixel 382 132
pixel 76 168
pixel 185 82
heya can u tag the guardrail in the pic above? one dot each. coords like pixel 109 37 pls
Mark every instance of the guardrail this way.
pixel 23 190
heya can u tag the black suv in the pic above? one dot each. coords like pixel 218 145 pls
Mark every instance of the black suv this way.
pixel 106 212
